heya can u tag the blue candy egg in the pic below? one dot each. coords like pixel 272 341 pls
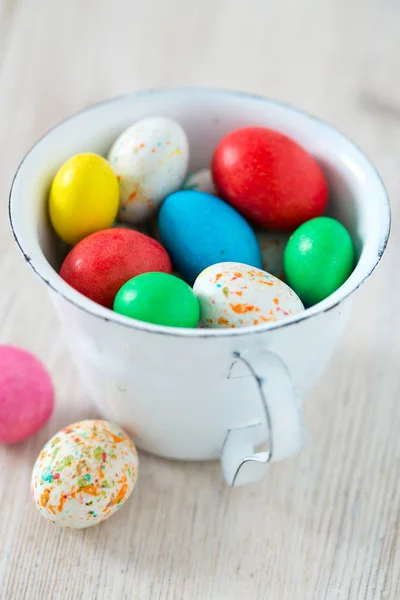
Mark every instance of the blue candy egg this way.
pixel 199 230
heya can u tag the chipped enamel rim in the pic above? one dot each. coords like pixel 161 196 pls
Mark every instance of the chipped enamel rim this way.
pixel 374 245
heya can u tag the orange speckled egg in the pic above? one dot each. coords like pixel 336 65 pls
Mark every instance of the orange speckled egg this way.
pixel 84 474
pixel 232 295
pixel 150 160
pixel 200 181
pixel 272 246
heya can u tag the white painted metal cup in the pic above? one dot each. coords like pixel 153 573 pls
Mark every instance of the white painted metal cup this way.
pixel 202 394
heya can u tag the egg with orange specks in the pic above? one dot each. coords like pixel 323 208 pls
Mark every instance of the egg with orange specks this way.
pixel 234 295
pixel 150 160
pixel 200 181
pixel 272 246
pixel 84 474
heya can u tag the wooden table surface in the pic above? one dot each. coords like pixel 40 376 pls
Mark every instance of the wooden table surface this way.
pixel 322 526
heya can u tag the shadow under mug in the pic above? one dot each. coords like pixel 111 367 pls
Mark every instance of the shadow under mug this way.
pixel 201 394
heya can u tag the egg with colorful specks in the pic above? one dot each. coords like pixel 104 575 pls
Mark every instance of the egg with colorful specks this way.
pixel 201 181
pixel 272 246
pixel 84 474
pixel 150 160
pixel 234 295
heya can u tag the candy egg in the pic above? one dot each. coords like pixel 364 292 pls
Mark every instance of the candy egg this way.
pixel 101 263
pixel 201 181
pixel 84 474
pixel 237 295
pixel 84 197
pixel 199 230
pixel 269 178
pixel 158 298
pixel 318 259
pixel 150 159
pixel 272 245
pixel 26 395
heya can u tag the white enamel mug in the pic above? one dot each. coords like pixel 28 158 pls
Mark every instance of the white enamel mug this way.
pixel 202 394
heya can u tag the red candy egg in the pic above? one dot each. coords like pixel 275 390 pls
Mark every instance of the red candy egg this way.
pixel 269 178
pixel 100 264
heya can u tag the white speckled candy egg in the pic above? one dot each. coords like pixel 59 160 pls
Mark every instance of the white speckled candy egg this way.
pixel 201 181
pixel 272 246
pixel 232 294
pixel 150 160
pixel 84 474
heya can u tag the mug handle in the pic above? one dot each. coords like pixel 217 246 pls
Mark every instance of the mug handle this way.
pixel 283 422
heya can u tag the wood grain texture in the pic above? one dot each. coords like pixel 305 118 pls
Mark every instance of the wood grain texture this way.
pixel 325 525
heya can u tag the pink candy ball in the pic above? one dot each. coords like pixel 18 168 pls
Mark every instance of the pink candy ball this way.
pixel 26 395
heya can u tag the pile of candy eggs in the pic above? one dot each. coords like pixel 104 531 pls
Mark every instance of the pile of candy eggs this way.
pixel 244 241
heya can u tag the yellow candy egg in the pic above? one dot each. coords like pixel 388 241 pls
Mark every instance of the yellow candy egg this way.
pixel 84 197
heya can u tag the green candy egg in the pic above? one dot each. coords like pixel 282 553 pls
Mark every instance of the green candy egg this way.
pixel 318 259
pixel 158 298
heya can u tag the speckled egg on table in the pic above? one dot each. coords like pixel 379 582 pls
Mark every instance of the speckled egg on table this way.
pixel 84 474
pixel 238 295
pixel 150 160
